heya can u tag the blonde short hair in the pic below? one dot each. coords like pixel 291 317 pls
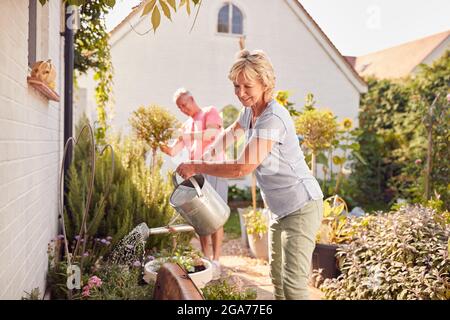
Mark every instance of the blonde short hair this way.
pixel 254 65
pixel 181 92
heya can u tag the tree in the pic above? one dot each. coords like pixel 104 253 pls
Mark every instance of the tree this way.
pixel 151 7
pixel 319 129
pixel 394 118
pixel 153 125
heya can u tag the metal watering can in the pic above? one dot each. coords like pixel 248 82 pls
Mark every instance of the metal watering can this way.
pixel 199 204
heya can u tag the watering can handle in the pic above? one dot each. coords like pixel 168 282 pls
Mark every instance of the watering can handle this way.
pixel 196 186
pixel 174 179
pixel 191 179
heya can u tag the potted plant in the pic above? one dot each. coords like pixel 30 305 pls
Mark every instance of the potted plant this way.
pixel 396 255
pixel 199 269
pixel 256 226
pixel 242 211
pixel 332 233
pixel 153 125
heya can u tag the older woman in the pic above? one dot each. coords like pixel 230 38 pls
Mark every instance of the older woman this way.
pixel 273 152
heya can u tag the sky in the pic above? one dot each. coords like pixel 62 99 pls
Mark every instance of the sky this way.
pixel 358 27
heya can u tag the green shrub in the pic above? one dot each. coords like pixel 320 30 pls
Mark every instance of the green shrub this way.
pixel 185 256
pixel 333 229
pixel 118 283
pixel 35 294
pixel 255 222
pixel 137 194
pixel 224 290
pixel 397 255
pixel 153 125
pixel 242 194
pixel 318 129
pixel 232 227
pixel 393 119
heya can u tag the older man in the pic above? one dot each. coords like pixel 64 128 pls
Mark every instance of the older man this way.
pixel 197 133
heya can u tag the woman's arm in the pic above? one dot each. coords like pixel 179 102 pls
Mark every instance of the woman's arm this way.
pixel 254 153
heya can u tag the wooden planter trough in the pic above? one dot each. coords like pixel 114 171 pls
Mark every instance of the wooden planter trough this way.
pixel 173 283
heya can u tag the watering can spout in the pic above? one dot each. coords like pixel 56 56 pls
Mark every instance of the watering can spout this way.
pixel 145 231
pixel 171 229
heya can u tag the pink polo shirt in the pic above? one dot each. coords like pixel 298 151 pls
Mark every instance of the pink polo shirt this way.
pixel 206 117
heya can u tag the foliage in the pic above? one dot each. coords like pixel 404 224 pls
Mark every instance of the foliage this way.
pixel 224 290
pixel 397 255
pixel 106 282
pixel 241 194
pixel 318 128
pixel 118 283
pixel 441 215
pixel 328 143
pixel 152 8
pixel 282 97
pixel 190 260
pixel 229 115
pixel 432 86
pixel 345 144
pixel 92 49
pixel 342 153
pixel 92 52
pixel 393 122
pixel 255 222
pixel 153 125
pixel 136 194
pixel 233 227
pixel 378 140
pixel 57 278
pixel 35 294
pixel 334 223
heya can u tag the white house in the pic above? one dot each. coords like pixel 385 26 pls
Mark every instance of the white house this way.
pixel 403 60
pixel 31 135
pixel 149 67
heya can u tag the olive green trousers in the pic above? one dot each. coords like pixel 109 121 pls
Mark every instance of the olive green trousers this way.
pixel 292 239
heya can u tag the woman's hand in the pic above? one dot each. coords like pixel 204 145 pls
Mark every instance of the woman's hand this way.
pixel 186 170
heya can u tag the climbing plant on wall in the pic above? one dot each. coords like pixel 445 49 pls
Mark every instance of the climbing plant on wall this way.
pixel 92 52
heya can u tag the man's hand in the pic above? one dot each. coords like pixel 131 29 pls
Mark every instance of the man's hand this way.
pixel 165 148
pixel 186 170
pixel 177 133
pixel 209 154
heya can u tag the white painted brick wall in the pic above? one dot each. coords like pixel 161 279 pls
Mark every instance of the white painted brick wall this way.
pixel 31 133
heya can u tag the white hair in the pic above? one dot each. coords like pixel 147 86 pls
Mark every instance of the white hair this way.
pixel 181 92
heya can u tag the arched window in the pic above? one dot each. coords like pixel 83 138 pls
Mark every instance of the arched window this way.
pixel 230 20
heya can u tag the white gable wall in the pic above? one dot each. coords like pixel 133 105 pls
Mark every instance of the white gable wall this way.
pixel 149 68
